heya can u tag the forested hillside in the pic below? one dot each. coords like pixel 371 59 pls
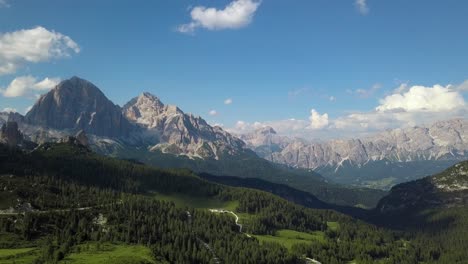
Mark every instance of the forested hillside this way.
pixel 62 202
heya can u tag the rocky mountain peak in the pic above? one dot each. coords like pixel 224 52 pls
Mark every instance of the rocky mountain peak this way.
pixel 76 104
pixel 10 134
pixel 267 130
pixel 442 140
pixel 147 110
pixel 177 132
pixel 11 116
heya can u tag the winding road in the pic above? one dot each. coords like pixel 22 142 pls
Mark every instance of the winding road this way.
pixel 222 211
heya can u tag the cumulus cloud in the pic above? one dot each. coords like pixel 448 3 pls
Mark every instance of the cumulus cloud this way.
pixel 33 46
pixel 286 126
pixel 237 14
pixel 228 101
pixel 28 86
pixel 419 98
pixel 318 121
pixel 463 86
pixel 9 110
pixel 406 106
pixel 213 112
pixel 362 7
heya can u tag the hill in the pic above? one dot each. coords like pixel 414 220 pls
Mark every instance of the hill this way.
pixel 433 210
pixel 64 196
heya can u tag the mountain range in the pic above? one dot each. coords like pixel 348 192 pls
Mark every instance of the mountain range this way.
pixel 147 130
pixel 381 160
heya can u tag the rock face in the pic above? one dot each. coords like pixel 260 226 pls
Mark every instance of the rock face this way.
pixel 77 104
pixel 395 155
pixel 82 138
pixel 179 133
pixel 10 134
pixel 444 190
pixel 10 116
pixel 265 141
pixel 442 140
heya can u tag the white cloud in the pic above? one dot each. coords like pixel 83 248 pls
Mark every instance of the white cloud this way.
pixel 213 112
pixel 287 126
pixel 463 86
pixel 228 101
pixel 9 109
pixel 28 86
pixel 419 98
pixel 32 46
pixel 332 98
pixel 362 7
pixel 406 106
pixel 318 121
pixel 237 14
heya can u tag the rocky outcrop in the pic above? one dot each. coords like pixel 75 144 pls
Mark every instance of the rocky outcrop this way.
pixel 179 133
pixel 82 138
pixel 11 116
pixel 10 134
pixel 77 104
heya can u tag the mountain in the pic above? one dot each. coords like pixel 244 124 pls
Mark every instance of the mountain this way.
pixel 11 116
pixel 179 133
pixel 265 141
pixel 146 130
pixel 378 161
pixel 10 135
pixel 447 189
pixel 77 104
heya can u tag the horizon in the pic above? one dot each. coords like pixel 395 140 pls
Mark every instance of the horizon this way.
pixel 356 68
pixel 257 127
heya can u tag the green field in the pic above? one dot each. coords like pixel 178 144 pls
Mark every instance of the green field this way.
pixel 288 238
pixel 94 253
pixel 181 200
pixel 333 225
pixel 17 255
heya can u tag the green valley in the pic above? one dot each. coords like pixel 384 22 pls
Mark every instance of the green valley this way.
pixel 72 205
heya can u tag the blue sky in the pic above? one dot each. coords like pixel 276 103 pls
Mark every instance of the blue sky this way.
pixel 276 60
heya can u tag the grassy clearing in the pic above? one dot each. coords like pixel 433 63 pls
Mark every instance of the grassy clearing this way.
pixel 9 240
pixel 181 200
pixel 94 253
pixel 333 225
pixel 288 238
pixel 17 255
